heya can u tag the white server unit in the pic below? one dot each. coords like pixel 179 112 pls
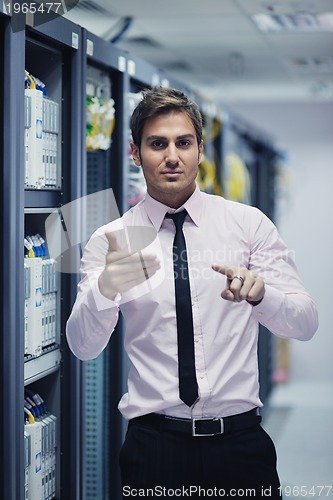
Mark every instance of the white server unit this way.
pixel 49 313
pixel 51 162
pixel 27 288
pixel 35 466
pixel 27 455
pixel 34 175
pixel 34 307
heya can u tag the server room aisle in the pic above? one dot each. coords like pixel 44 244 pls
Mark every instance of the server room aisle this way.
pixel 299 419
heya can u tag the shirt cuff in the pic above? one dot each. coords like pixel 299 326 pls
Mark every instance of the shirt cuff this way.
pixel 269 305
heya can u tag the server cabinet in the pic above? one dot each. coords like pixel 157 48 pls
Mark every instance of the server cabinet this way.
pixel 210 167
pixel 105 79
pixel 140 76
pixel 41 150
pixel 12 196
pixel 249 176
pixel 53 55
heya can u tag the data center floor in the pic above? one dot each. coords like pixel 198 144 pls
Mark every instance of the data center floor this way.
pixel 299 418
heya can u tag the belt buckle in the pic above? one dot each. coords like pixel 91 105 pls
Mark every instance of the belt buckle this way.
pixel 194 430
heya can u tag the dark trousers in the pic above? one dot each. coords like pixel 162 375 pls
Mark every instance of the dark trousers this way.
pixel 163 464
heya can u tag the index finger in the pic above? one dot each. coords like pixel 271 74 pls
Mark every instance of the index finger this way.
pixel 225 270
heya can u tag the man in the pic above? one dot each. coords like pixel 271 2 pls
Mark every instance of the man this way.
pixel 202 436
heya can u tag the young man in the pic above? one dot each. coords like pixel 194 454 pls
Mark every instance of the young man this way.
pixel 201 436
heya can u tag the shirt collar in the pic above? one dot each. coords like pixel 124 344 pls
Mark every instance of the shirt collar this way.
pixel 156 211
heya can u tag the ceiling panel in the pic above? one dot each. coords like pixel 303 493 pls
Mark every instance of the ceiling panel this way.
pixel 215 44
pixel 172 8
pixel 267 70
pixel 227 92
pixel 93 22
pixel 284 6
pixel 310 44
pixel 195 25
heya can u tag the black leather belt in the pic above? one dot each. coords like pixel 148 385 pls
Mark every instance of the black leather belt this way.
pixel 200 426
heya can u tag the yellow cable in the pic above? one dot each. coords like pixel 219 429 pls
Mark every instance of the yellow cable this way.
pixel 238 180
pixel 32 83
pixel 31 418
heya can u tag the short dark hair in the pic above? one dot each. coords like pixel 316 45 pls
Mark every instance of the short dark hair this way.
pixel 162 100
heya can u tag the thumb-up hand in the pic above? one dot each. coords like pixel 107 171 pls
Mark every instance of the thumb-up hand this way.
pixel 124 270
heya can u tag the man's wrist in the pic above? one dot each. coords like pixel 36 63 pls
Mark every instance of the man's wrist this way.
pixel 254 303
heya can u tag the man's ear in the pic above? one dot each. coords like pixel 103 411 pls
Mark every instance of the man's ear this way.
pixel 135 154
pixel 200 151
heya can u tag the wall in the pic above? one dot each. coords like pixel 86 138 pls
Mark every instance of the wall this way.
pixel 304 214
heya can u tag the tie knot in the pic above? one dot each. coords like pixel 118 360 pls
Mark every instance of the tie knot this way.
pixel 178 218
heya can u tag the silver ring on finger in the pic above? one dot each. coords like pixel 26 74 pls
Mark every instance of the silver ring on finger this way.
pixel 239 278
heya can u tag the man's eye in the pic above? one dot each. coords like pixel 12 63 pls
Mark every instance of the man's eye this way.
pixel 157 144
pixel 184 144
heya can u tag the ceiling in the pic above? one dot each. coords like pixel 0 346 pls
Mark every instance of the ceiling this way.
pixel 216 47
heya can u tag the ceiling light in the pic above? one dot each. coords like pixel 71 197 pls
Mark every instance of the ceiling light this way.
pixel 301 21
pixel 312 64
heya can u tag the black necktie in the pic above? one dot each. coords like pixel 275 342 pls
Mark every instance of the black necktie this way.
pixel 188 387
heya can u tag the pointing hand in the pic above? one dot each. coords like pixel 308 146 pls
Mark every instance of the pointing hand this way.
pixel 242 284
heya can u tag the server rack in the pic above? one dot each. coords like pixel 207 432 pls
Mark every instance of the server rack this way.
pixel 58 44
pixel 140 75
pixel 210 168
pixel 264 161
pixel 12 233
pixel 104 68
pixel 52 52
pixel 254 156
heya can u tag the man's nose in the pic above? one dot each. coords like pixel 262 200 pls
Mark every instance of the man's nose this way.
pixel 171 155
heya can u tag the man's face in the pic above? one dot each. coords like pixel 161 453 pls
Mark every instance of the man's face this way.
pixel 169 156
